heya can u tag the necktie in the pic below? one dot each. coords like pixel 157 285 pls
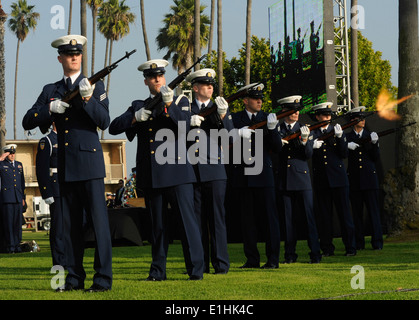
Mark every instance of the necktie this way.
pixel 253 118
pixel 202 106
pixel 289 127
pixel 69 84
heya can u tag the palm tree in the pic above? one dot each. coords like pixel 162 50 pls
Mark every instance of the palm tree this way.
pixel 177 35
pixel 83 31
pixel 114 18
pixel 211 26
pixel 23 20
pixel 70 15
pixel 248 41
pixel 3 17
pixel 404 208
pixel 94 6
pixel 197 31
pixel 147 48
pixel 220 54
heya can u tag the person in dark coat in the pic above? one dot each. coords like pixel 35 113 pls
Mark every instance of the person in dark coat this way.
pixel 47 176
pixel 294 182
pixel 81 166
pixel 163 172
pixel 330 182
pixel 12 184
pixel 210 188
pixel 256 192
pixel 363 179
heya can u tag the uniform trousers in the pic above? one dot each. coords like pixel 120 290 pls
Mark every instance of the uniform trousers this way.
pixel 86 199
pixel 210 211
pixel 258 207
pixel 12 226
pixel 371 200
pixel 326 197
pixel 292 200
pixel 56 237
pixel 181 201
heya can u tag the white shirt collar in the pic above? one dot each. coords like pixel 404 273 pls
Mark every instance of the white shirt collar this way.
pixel 250 114
pixel 360 132
pixel 291 124
pixel 73 77
pixel 199 103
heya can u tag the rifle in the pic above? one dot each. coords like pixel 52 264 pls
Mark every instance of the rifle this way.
pixel 68 96
pixel 384 133
pixel 279 115
pixel 345 126
pixel 207 111
pixel 156 101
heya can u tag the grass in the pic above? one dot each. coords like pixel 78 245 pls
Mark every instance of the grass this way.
pixel 390 274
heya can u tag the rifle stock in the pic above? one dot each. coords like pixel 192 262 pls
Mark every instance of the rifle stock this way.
pixel 96 77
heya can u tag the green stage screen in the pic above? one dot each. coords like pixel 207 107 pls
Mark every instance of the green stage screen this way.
pixel 297 52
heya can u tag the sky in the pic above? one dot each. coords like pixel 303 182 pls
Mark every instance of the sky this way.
pixel 38 63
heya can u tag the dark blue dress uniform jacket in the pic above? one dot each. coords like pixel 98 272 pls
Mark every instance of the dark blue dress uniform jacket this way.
pixel 212 167
pixel 47 159
pixel 271 143
pixel 293 167
pixel 328 166
pixel 80 157
pixel 362 172
pixel 151 174
pixel 12 181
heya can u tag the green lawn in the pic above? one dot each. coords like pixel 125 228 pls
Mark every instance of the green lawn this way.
pixel 390 274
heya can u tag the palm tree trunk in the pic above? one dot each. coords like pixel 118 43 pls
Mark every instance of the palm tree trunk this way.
pixel 94 17
pixel 402 184
pixel 220 48
pixel 15 93
pixel 211 26
pixel 3 17
pixel 70 14
pixel 147 48
pixel 248 41
pixel 197 33
pixel 106 53
pixel 83 31
pixel 354 61
pixel 110 61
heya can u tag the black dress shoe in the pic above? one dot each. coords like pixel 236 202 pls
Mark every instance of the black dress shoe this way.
pixel 350 254
pixel 192 277
pixel 151 278
pixel 97 288
pixel 288 261
pixel 249 265
pixel 221 272
pixel 314 261
pixel 68 287
pixel 268 265
pixel 328 254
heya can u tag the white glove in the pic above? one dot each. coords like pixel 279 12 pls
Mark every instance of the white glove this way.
pixel 166 94
pixel 374 137
pixel 352 145
pixel 49 200
pixel 245 132
pixel 338 130
pixel 317 144
pixel 222 105
pixel 284 142
pixel 142 114
pixel 196 120
pixel 58 106
pixel 85 88
pixel 272 121
pixel 305 132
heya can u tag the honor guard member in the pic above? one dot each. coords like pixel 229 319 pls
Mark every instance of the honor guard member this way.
pixel 294 181
pixel 330 181
pixel 12 183
pixel 256 193
pixel 47 176
pixel 210 188
pixel 81 166
pixel 163 179
pixel 363 180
